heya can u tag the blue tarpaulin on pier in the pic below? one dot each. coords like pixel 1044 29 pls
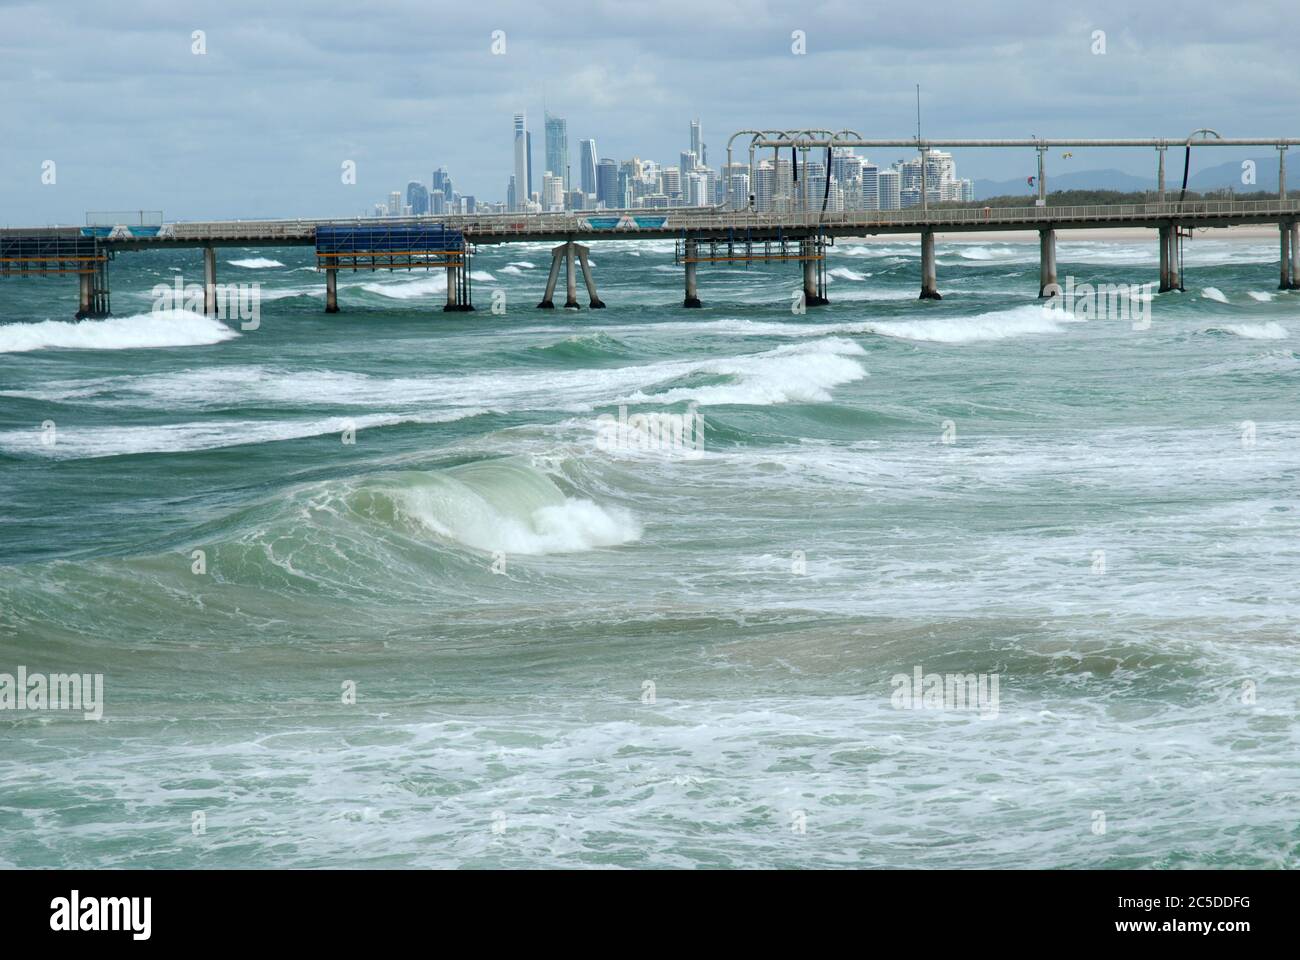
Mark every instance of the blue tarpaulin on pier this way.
pixel 404 238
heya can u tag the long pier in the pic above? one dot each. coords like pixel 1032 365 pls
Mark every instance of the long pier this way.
pixel 701 235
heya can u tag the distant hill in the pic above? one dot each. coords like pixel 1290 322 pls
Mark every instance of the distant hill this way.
pixel 1211 178
pixel 1229 175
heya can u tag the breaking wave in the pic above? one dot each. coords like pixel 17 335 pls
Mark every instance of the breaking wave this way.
pixel 164 328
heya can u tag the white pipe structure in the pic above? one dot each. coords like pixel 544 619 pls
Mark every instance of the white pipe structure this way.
pixel 757 134
pixel 1043 142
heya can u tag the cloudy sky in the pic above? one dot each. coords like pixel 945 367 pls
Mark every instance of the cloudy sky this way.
pixel 261 123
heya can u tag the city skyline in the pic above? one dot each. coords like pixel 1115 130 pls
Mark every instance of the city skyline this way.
pixel 855 181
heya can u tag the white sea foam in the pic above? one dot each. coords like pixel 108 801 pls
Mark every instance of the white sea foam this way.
pixel 510 269
pixel 998 325
pixel 798 373
pixel 988 253
pixel 164 328
pixel 567 527
pixel 522 263
pixel 844 273
pixel 794 372
pixel 427 286
pixel 1271 330
pixel 1214 293
pixel 868 294
pixel 255 263
pixel 1262 297
pixel 1025 320
pixel 78 443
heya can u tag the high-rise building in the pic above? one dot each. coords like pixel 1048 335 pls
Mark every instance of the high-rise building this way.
pixel 557 148
pixel 417 197
pixel 631 183
pixel 395 203
pixel 845 164
pixel 671 182
pixel 523 175
pixel 552 192
pixel 764 186
pixel 587 166
pixel 697 143
pixel 697 190
pixel 869 176
pixel 813 182
pixel 910 173
pixel 735 180
pixel 528 141
pixel 940 175
pixel 607 191
pixel 890 189
pixel 441 183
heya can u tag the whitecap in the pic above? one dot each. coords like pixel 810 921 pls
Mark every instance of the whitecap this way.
pixel 162 328
pixel 256 263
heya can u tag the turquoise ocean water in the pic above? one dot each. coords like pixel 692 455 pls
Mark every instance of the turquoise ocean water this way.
pixel 570 655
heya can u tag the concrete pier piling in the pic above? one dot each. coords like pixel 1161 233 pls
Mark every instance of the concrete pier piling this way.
pixel 1295 255
pixel 451 291
pixel 812 290
pixel 1164 259
pixel 548 298
pixel 810 296
pixel 594 300
pixel 1175 268
pixel 1047 264
pixel 86 305
pixel 692 291
pixel 331 290
pixel 929 277
pixel 571 278
pixel 570 255
pixel 1284 255
pixel 209 281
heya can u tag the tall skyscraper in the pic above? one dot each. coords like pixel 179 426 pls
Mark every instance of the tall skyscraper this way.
pixel 587 165
pixel 557 148
pixel 697 145
pixel 528 149
pixel 523 168
pixel 607 191
pixel 441 183
pixel 417 197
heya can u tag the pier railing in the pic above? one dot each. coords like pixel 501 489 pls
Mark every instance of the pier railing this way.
pixel 674 220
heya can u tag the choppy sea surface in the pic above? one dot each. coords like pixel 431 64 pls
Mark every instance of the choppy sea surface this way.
pixel 567 653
